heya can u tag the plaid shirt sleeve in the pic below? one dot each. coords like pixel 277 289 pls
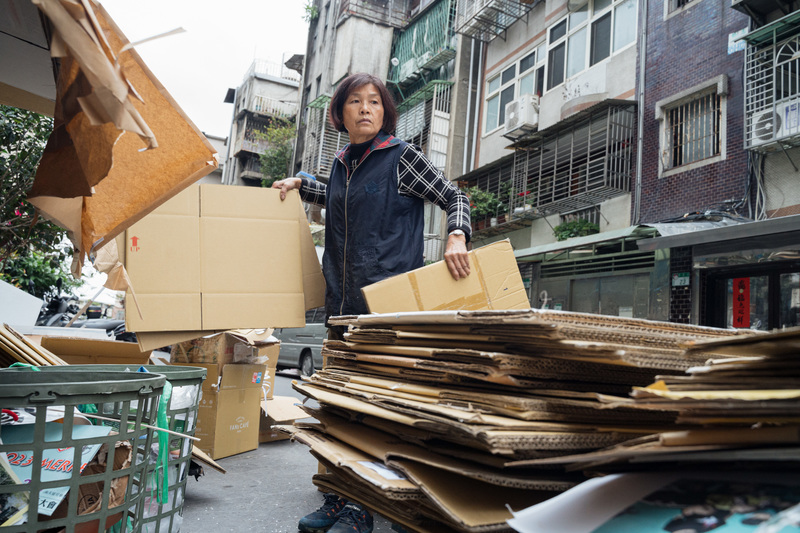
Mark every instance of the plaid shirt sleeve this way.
pixel 416 176
pixel 313 192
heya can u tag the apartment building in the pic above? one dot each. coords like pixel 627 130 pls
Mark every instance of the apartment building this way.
pixel 555 140
pixel 728 138
pixel 268 91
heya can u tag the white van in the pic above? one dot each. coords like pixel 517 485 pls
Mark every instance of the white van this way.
pixel 301 348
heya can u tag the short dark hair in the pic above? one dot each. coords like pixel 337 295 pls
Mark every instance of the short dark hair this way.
pixel 350 84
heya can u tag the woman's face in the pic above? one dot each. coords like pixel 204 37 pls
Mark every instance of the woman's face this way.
pixel 363 113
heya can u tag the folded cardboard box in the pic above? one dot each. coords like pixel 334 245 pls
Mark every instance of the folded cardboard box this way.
pixel 257 347
pixel 229 412
pixel 82 351
pixel 278 411
pixel 235 346
pixel 494 283
pixel 217 258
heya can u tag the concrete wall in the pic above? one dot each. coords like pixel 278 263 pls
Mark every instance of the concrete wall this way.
pixel 362 46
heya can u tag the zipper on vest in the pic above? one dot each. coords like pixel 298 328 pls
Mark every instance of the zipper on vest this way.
pixel 344 251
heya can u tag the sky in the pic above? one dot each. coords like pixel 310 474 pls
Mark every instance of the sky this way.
pixel 221 41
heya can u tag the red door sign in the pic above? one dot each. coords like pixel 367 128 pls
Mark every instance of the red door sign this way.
pixel 741 302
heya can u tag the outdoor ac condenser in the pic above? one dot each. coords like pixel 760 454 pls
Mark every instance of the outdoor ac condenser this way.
pixel 522 116
pixel 769 126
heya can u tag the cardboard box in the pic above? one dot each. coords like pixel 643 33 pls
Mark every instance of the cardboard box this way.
pixel 229 412
pixel 280 410
pixel 82 351
pixel 235 346
pixel 216 257
pixel 494 283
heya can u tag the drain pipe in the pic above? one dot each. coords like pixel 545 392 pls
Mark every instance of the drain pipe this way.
pixel 475 131
pixel 469 109
pixel 640 140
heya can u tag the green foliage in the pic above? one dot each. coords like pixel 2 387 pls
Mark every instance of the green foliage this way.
pixel 575 228
pixel 24 235
pixel 484 204
pixel 38 273
pixel 277 158
pixel 311 11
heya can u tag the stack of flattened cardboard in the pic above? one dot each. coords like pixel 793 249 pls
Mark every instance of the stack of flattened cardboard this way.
pixel 458 412
pixel 16 348
pixel 742 405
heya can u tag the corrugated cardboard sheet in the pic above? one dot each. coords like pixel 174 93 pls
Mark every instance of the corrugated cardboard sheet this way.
pixel 494 283
pixel 218 258
pixel 484 409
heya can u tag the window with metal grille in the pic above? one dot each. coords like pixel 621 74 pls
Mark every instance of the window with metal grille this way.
pixel 693 131
pixel 591 214
pixel 674 5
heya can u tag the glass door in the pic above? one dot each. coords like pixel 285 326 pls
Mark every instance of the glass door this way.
pixel 757 297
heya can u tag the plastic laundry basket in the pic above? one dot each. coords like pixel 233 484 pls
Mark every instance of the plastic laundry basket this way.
pixel 161 511
pixel 50 423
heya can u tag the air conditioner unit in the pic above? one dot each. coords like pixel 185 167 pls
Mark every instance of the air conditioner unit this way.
pixel 522 116
pixel 769 126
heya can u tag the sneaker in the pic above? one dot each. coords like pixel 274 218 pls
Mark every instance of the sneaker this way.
pixel 352 519
pixel 323 518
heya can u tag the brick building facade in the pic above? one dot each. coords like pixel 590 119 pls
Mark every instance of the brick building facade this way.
pixel 686 51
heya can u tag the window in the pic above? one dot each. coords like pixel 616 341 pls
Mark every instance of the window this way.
pixel 587 36
pixel 677 5
pixel 591 214
pixel 525 76
pixel 693 130
pixel 693 127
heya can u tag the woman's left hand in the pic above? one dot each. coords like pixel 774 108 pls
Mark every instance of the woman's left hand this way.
pixel 456 256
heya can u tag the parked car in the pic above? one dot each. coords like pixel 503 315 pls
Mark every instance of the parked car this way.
pixel 301 348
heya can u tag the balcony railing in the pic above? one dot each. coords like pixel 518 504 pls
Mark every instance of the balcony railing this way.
pixel 425 45
pixel 486 19
pixel 772 86
pixel 424 120
pixel 576 164
pixel 391 12
pixel 322 141
pixel 272 106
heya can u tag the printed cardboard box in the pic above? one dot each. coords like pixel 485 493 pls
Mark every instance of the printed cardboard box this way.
pixel 494 283
pixel 229 413
pixel 279 410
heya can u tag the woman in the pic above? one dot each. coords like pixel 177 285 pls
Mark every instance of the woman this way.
pixel 374 227
pixel 374 200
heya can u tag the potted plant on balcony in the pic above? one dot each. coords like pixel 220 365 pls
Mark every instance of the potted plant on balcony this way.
pixel 575 228
pixel 483 204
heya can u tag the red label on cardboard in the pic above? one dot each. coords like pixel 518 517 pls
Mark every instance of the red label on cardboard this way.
pixel 256 377
pixel 741 302
pixel 134 244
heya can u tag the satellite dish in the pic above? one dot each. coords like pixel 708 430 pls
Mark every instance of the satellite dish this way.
pixel 575 5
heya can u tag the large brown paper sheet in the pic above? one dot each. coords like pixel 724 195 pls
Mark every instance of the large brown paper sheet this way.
pixel 121 146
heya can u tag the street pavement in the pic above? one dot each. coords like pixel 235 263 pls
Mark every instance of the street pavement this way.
pixel 266 490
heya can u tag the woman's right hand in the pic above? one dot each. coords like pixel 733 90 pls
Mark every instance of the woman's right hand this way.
pixel 287 185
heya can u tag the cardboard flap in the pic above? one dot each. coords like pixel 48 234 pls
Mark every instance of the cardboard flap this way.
pixel 254 336
pixel 242 376
pixel 283 409
pixel 75 350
